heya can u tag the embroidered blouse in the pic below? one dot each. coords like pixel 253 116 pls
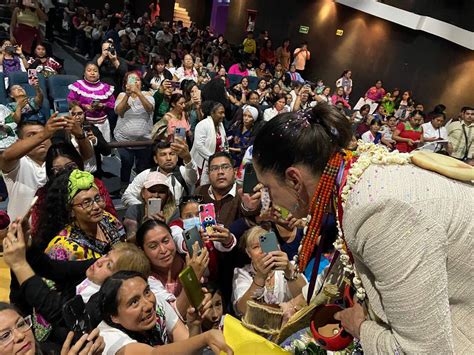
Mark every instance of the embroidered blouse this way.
pixel 73 244
pixel 86 92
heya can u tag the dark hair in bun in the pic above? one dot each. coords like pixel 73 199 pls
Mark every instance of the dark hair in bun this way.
pixel 306 137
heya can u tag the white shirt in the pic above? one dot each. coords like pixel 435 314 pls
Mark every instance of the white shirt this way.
pixel 86 289
pixel 90 165
pixel 136 123
pixel 271 112
pixel 181 74
pixel 22 183
pixel 164 37
pixel 132 195
pixel 243 278
pixel 115 339
pixel 430 132
pixel 368 137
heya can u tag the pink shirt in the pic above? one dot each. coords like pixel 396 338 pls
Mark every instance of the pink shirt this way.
pixel 234 69
pixel 175 123
pixel 301 56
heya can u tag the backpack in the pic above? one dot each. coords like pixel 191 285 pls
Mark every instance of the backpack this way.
pixel 178 176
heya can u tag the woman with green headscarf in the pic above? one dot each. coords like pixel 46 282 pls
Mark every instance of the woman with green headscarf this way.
pixel 80 228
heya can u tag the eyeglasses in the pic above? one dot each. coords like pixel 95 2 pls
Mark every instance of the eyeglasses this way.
pixel 22 325
pixel 69 166
pixel 87 204
pixel 216 168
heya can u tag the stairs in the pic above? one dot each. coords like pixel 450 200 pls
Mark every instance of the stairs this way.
pixel 181 14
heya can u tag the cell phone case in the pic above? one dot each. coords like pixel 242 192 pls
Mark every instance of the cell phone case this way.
pixel 250 179
pixel 192 236
pixel 180 132
pixel 207 216
pixel 76 317
pixel 265 200
pixel 191 286
pixel 154 206
pixel 269 242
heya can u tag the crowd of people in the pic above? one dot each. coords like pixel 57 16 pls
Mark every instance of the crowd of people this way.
pixel 186 139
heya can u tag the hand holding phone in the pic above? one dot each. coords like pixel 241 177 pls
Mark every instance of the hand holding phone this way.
pixel 192 287
pixel 250 179
pixel 154 206
pixel 191 236
pixel 32 77
pixel 207 216
pixel 180 132
pixel 269 242
pixel 76 317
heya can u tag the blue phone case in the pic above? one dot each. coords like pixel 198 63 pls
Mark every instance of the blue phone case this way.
pixel 269 242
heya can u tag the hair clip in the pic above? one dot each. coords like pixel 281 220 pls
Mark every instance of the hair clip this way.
pixel 334 131
pixel 305 117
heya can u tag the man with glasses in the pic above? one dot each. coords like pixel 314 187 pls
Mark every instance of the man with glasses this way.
pixel 23 163
pixel 229 203
pixel 181 178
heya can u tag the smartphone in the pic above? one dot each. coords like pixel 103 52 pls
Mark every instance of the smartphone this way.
pixel 180 132
pixel 131 80
pixel 26 216
pixel 175 84
pixel 269 242
pixel 250 179
pixel 154 206
pixel 284 213
pixel 265 199
pixel 32 76
pixel 192 287
pixel 87 127
pixel 76 317
pixel 95 102
pixel 207 216
pixel 192 236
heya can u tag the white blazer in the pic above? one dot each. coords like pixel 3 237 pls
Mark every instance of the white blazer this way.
pixel 205 141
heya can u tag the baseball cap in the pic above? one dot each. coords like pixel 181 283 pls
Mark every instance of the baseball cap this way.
pixel 155 178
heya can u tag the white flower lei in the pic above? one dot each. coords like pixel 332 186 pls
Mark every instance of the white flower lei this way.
pixel 368 153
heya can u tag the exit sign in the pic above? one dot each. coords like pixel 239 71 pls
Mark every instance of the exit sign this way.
pixel 304 29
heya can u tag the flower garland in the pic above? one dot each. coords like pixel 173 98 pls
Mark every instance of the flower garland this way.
pixel 368 153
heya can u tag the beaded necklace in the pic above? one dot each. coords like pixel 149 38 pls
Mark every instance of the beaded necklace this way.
pixel 320 203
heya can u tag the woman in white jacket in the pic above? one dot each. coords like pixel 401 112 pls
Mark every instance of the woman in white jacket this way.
pixel 209 138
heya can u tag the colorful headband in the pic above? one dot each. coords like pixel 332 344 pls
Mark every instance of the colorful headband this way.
pixel 78 181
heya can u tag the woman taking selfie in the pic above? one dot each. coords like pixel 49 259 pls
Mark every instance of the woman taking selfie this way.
pixel 133 321
pixel 387 221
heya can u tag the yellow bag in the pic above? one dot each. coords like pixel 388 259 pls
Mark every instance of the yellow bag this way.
pixel 243 341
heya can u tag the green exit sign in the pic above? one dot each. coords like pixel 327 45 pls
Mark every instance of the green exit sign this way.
pixel 304 29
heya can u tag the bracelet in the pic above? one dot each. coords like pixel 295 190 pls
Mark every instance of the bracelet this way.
pixel 81 137
pixel 293 277
pixel 256 284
